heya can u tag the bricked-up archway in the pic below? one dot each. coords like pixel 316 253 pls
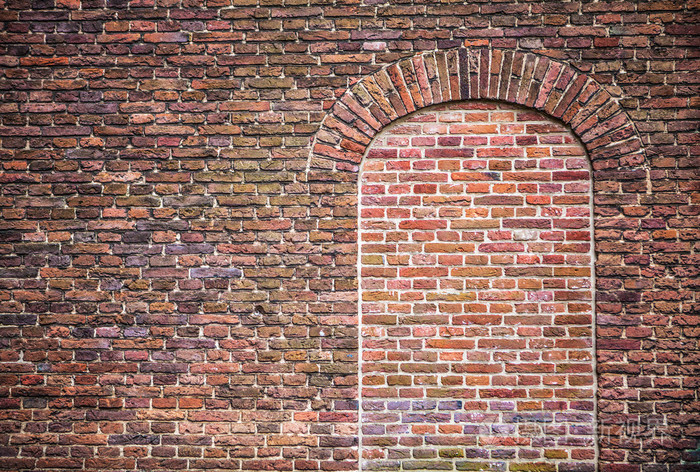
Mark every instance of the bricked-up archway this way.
pixel 550 86
pixel 475 243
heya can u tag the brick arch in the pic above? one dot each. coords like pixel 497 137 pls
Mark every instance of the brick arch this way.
pixel 621 188
pixel 435 77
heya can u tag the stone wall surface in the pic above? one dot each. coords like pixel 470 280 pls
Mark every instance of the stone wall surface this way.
pixel 179 204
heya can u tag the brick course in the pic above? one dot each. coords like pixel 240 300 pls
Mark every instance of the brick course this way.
pixel 178 241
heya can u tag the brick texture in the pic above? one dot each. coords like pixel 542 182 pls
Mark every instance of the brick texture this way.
pixel 476 286
pixel 179 220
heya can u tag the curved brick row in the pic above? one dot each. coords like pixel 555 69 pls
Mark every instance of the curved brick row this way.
pixel 492 74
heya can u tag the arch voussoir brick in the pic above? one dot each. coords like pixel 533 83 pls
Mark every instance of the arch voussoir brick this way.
pixel 350 101
pixel 409 78
pixel 443 76
pixel 388 90
pixel 550 79
pixel 396 76
pixel 526 80
pixel 569 95
pixel 378 94
pixel 422 80
pixel 494 74
pixel 431 68
pixel 504 75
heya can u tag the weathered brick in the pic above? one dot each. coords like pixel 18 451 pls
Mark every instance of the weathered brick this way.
pixel 150 152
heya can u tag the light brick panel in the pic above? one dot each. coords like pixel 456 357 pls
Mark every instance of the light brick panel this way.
pixel 477 311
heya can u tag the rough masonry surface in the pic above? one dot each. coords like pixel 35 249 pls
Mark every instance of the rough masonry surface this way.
pixel 179 196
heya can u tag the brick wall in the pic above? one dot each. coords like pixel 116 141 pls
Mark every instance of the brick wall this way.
pixel 179 211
